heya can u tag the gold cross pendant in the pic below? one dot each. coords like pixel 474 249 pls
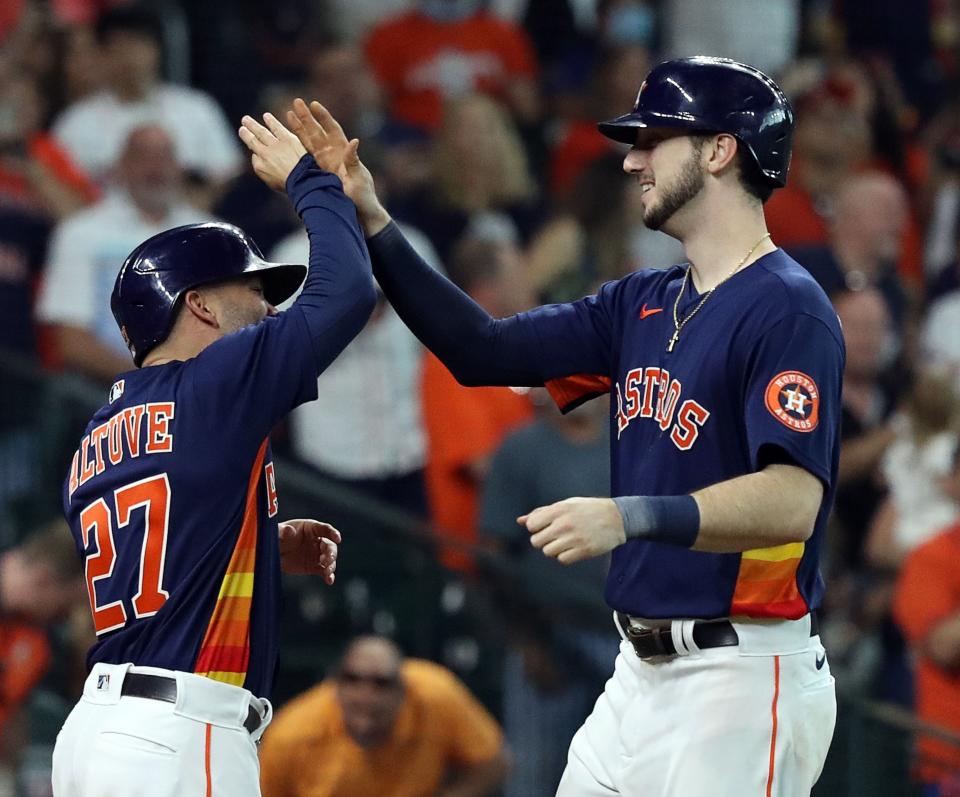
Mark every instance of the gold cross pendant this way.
pixel 673 340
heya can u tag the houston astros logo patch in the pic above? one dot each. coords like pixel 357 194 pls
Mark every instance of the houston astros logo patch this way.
pixel 793 399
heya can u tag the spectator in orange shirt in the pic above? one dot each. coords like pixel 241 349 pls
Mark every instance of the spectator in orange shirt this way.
pixel 927 608
pixel 446 49
pixel 40 582
pixel 383 726
pixel 466 425
pixel 36 173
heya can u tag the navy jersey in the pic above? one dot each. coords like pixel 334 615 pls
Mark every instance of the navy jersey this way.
pixel 755 378
pixel 171 494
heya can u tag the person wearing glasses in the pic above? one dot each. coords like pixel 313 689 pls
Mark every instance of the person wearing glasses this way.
pixel 383 726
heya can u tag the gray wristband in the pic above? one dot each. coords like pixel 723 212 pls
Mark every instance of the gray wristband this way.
pixel 672 519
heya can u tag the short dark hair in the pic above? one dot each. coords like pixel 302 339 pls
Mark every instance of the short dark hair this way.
pixel 753 180
pixel 135 19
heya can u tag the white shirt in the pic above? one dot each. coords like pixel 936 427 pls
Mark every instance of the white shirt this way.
pixel 94 130
pixel 913 473
pixel 366 422
pixel 941 333
pixel 763 33
pixel 85 253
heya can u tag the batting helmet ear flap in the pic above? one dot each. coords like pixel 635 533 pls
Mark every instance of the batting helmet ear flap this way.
pixel 715 95
pixel 155 275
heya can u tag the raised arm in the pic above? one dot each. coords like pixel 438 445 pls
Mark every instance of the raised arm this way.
pixel 251 378
pixel 526 349
pixel 338 294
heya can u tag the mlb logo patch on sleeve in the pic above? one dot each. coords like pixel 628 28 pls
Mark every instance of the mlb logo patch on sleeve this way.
pixel 794 400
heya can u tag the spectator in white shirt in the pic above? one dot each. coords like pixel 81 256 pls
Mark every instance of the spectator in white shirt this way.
pixel 94 129
pixel 915 469
pixel 88 248
pixel 365 430
pixel 941 334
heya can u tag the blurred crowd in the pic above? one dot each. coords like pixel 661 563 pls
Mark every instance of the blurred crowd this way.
pixel 477 118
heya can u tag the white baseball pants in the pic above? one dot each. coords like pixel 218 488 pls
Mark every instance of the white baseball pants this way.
pixel 753 720
pixel 113 746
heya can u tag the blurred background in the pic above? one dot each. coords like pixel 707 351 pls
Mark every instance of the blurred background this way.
pixel 117 120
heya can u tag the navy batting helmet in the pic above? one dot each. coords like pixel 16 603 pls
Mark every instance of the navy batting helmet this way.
pixel 715 95
pixel 158 272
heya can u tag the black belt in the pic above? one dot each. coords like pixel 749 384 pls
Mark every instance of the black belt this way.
pixel 650 642
pixel 161 687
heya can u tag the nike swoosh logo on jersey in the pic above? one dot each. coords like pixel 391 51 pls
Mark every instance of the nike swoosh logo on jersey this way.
pixel 821 660
pixel 644 312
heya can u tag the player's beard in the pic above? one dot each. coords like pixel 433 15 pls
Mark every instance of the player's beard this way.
pixel 688 184
pixel 239 317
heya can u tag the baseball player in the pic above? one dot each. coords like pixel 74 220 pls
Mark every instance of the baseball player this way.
pixel 172 498
pixel 725 376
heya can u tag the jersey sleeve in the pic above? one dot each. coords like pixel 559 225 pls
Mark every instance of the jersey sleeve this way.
pixel 573 338
pixel 256 375
pixel 524 350
pixel 793 382
pixel 253 377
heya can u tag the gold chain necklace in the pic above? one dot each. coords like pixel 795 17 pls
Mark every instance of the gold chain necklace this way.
pixel 677 323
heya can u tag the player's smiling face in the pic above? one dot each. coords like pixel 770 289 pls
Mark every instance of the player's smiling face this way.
pixel 666 163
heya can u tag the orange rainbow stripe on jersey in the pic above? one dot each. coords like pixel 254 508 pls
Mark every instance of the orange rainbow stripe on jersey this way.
pixel 767 583
pixel 225 651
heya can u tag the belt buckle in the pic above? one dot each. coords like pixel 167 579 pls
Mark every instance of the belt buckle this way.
pixel 641 637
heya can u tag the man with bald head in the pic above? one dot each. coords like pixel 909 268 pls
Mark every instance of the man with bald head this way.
pixel 866 235
pixel 86 250
pixel 383 726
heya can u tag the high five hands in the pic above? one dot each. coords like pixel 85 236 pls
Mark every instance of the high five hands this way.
pixel 568 531
pixel 275 151
pixel 322 136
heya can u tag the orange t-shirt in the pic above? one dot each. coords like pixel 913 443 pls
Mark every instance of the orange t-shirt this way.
pixel 43 149
pixel 306 751
pixel 927 593
pixel 793 220
pixel 421 62
pixel 463 424
pixel 580 146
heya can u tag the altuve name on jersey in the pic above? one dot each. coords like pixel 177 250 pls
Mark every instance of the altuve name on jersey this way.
pixel 637 400
pixel 136 430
